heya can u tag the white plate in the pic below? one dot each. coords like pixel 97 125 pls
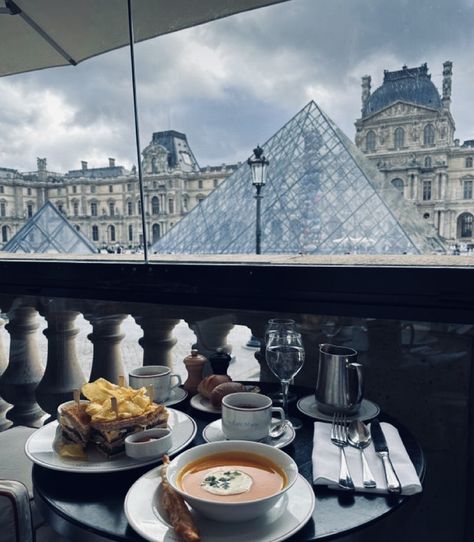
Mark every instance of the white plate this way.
pixel 204 405
pixel 213 433
pixel 367 411
pixel 144 513
pixel 40 448
pixel 176 396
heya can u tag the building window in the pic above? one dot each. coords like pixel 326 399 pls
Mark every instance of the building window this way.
pixel 130 233
pixel 111 208
pixel 28 191
pixel 74 189
pixel 111 231
pixel 60 208
pixel 75 208
pixel 155 232
pixel 129 208
pixel 467 189
pixel 426 190
pixel 185 204
pixel 2 189
pixel 3 208
pixel 465 225
pixel 111 188
pixel 216 182
pixel 171 206
pixel 155 205
pixel 199 199
pixel 155 184
pixel 370 141
pixel 29 210
pixel 93 208
pixel 93 189
pixel 5 233
pixel 398 184
pixel 200 183
pixel 428 162
pixel 469 161
pixel 95 233
pixel 399 138
pixel 429 135
pixel 139 207
pixel 78 228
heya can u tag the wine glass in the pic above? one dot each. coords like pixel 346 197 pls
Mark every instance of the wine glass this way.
pixel 276 325
pixel 285 357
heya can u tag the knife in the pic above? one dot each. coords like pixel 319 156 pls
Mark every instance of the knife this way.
pixel 380 445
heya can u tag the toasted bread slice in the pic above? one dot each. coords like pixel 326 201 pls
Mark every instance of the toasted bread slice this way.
pixel 75 423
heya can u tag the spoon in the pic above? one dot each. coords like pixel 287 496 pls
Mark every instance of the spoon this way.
pixel 359 436
pixel 278 429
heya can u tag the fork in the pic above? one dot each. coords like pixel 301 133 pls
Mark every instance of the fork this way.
pixel 339 439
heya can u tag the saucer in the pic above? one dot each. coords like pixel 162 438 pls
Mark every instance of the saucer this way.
pixel 176 396
pixel 213 433
pixel 146 516
pixel 367 411
pixel 204 405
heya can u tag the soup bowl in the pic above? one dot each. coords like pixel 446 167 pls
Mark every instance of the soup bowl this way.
pixel 219 508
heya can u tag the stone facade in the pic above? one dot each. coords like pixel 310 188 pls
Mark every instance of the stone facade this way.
pixel 407 129
pixel 104 203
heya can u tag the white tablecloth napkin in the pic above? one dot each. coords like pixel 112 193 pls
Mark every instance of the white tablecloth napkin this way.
pixel 325 459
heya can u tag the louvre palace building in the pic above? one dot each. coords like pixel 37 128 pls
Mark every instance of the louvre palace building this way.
pixel 406 130
pixel 104 203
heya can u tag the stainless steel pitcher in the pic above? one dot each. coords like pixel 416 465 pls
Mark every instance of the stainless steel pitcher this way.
pixel 339 387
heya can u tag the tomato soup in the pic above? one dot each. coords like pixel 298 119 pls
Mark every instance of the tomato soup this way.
pixel 232 477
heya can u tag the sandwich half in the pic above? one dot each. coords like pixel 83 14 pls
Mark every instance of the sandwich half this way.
pixel 75 423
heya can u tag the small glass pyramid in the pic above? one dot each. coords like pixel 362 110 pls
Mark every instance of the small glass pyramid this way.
pixel 49 231
pixel 322 196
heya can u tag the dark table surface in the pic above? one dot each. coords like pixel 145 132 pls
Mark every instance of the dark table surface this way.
pixel 90 507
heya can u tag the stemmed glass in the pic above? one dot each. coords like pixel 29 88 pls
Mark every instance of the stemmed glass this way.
pixel 285 357
pixel 276 325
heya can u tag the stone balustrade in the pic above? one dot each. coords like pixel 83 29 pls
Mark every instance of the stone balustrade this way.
pixel 30 390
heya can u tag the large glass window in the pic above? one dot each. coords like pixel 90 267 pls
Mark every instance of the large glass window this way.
pixel 429 134
pixel 399 138
pixel 465 225
pixel 467 189
pixel 94 206
pixel 155 205
pixel 3 208
pixel 95 233
pixel 370 141
pixel 426 190
pixel 469 161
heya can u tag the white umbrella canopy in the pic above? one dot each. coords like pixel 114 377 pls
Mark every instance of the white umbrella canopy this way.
pixel 37 34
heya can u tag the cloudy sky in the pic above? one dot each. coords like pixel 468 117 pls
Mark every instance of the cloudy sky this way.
pixel 232 83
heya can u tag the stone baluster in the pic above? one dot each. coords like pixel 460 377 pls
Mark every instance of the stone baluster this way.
pixel 157 341
pixel 106 338
pixel 63 373
pixel 4 406
pixel 211 334
pixel 20 379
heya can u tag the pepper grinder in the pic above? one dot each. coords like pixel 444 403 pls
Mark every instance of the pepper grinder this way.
pixel 220 361
pixel 194 365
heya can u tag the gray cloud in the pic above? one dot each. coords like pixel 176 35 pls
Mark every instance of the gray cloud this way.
pixel 230 84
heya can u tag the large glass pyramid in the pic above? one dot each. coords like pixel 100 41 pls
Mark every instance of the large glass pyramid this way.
pixel 322 197
pixel 49 231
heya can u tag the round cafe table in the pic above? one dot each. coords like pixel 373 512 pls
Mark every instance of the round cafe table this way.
pixel 89 507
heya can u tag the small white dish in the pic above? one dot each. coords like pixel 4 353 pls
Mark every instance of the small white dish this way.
pixel 176 396
pixel 238 511
pixel 307 405
pixel 144 511
pixel 213 433
pixel 149 443
pixel 204 405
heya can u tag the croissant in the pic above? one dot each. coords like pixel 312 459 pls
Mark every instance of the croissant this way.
pixel 224 389
pixel 207 384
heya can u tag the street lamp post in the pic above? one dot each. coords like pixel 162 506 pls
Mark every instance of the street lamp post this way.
pixel 258 167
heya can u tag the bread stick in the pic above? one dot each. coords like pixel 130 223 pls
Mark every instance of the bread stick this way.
pixel 176 509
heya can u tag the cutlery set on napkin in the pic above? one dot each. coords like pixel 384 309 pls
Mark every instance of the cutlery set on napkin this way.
pixel 340 465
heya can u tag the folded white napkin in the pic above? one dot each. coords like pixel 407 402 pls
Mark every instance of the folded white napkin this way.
pixel 326 458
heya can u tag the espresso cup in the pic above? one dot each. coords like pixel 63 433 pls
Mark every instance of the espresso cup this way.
pixel 248 416
pixel 158 376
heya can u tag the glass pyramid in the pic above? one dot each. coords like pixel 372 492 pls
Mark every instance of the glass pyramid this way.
pixel 322 197
pixel 49 231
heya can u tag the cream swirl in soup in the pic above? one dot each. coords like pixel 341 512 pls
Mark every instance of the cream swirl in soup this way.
pixel 232 477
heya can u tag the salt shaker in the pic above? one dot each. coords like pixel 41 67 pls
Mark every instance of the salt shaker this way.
pixel 220 361
pixel 194 364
